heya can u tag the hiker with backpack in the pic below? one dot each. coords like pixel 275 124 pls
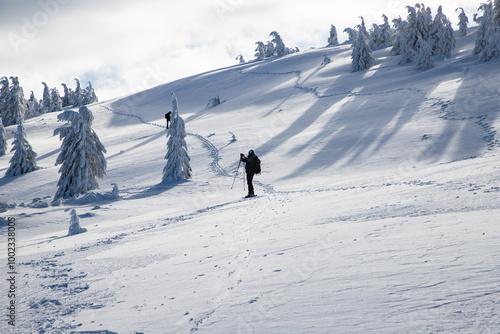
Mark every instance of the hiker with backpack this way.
pixel 252 167
pixel 167 117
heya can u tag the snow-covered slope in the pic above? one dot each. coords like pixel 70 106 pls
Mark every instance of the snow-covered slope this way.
pixel 378 207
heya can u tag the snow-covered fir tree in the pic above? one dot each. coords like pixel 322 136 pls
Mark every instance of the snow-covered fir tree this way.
pixel 78 96
pixel 240 59
pixel 279 45
pixel 89 96
pixel 74 224
pixel 15 107
pixel 3 139
pixel 269 49
pixel 178 166
pixel 361 51
pixel 260 50
pixel 333 39
pixel 442 35
pixel 351 33
pixel 82 154
pixel 463 22
pixel 405 39
pixel 4 93
pixel 381 35
pixel 423 57
pixel 485 23
pixel 46 103
pixel 33 107
pixel 399 29
pixel 492 49
pixel 24 159
pixel 66 96
pixel 55 101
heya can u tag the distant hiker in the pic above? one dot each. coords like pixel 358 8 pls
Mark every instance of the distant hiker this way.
pixel 252 167
pixel 167 117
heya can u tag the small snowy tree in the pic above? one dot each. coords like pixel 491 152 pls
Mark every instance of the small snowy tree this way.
pixel 89 96
pixel 33 108
pixel 4 93
pixel 3 139
pixel 361 51
pixel 177 167
pixel 24 159
pixel 333 39
pixel 74 224
pixel 463 21
pixel 442 35
pixel 424 60
pixel 55 101
pixel 46 102
pixel 269 49
pixel 82 154
pixel 66 97
pixel 351 33
pixel 485 27
pixel 240 59
pixel 492 49
pixel 260 50
pixel 279 45
pixel 78 95
pixel 15 107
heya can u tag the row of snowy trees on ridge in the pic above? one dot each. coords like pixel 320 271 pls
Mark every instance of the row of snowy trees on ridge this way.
pixel 82 153
pixel 13 104
pixel 421 36
pixel 417 38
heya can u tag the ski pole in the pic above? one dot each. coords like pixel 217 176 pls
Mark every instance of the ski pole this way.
pixel 236 174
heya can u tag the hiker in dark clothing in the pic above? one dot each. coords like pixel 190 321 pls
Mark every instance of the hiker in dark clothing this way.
pixel 252 167
pixel 167 117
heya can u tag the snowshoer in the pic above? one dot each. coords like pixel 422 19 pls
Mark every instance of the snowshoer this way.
pixel 167 117
pixel 252 167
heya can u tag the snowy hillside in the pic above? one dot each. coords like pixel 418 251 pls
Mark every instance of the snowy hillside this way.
pixel 378 207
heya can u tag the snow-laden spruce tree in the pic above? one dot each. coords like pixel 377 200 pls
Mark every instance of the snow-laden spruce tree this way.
pixel 177 167
pixel 24 159
pixel 279 45
pixel 351 33
pixel 55 101
pixel 89 96
pixel 333 39
pixel 33 108
pixel 74 224
pixel 485 23
pixel 4 93
pixel 240 59
pixel 3 139
pixel 66 96
pixel 424 60
pixel 15 104
pixel 78 97
pixel 442 35
pixel 361 51
pixel 269 49
pixel 82 154
pixel 46 103
pixel 463 22
pixel 405 41
pixel 260 50
pixel 492 49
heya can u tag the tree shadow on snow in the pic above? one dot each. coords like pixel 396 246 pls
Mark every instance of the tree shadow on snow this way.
pixel 156 190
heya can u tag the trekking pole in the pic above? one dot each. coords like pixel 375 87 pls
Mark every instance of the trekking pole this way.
pixel 236 174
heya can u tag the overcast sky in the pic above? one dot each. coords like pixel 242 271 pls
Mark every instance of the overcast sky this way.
pixel 125 46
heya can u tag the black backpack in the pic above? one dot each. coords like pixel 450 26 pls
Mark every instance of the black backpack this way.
pixel 257 166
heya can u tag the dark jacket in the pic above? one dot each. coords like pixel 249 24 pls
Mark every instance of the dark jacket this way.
pixel 251 163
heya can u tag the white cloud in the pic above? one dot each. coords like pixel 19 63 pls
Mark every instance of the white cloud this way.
pixel 129 45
